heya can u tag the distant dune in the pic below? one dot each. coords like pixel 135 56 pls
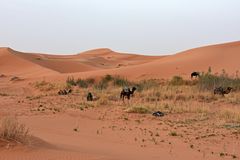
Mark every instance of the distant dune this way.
pixel 218 57
pixel 98 59
pixel 11 64
pixel 105 61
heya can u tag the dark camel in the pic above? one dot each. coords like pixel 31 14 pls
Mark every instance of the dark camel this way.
pixel 195 74
pixel 127 92
pixel 65 92
pixel 222 91
pixel 89 96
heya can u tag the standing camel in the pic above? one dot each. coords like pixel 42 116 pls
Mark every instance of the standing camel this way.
pixel 127 92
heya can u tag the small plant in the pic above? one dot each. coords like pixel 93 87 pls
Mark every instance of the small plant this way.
pixel 82 83
pixel 209 81
pixel 70 81
pixel 44 86
pixel 101 85
pixel 12 130
pixel 222 154
pixel 234 156
pixel 146 84
pixel 177 80
pixel 90 81
pixel 173 133
pixel 108 78
pixel 119 81
pixel 139 109
pixel 3 94
pixel 76 129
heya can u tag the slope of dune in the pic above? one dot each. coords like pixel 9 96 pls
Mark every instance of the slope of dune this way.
pixel 103 61
pixel 218 57
pixel 92 60
pixel 13 65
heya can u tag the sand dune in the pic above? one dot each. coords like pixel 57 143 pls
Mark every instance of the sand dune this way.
pixel 69 127
pixel 87 61
pixel 13 65
pixel 103 61
pixel 218 57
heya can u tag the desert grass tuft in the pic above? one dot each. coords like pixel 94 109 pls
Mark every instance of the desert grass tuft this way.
pixel 12 130
pixel 142 109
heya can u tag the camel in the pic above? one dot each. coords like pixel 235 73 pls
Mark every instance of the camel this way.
pixel 158 114
pixel 89 96
pixel 64 92
pixel 127 92
pixel 222 91
pixel 195 74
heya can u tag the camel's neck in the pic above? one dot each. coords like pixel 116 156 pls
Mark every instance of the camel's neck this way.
pixel 132 91
pixel 228 91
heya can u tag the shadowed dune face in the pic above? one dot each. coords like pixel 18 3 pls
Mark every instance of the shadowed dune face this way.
pixel 14 65
pixel 105 61
pixel 93 60
pixel 218 57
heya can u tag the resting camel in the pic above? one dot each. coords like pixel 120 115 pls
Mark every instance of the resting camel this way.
pixel 195 74
pixel 222 91
pixel 89 96
pixel 127 92
pixel 64 92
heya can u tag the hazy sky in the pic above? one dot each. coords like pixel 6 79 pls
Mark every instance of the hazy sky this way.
pixel 135 26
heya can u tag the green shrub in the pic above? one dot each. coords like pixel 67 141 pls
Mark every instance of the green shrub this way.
pixel 44 86
pixel 82 83
pixel 173 133
pixel 90 81
pixel 139 109
pixel 146 84
pixel 176 80
pixel 12 130
pixel 119 81
pixel 209 82
pixel 70 81
pixel 108 78
pixel 101 85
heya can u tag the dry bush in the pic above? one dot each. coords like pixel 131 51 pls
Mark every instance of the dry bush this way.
pixel 146 85
pixel 183 107
pixel 142 109
pixel 44 86
pixel 209 81
pixel 82 83
pixel 12 130
pixel 230 115
pixel 176 80
pixel 70 81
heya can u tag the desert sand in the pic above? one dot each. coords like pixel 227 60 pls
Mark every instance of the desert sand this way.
pixel 62 127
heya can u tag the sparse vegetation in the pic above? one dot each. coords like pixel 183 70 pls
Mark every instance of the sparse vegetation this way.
pixel 81 83
pixel 12 130
pixel 176 80
pixel 44 86
pixel 121 82
pixel 208 81
pixel 173 133
pixel 108 78
pixel 139 109
pixel 4 94
pixel 146 85
pixel 70 81
pixel 101 85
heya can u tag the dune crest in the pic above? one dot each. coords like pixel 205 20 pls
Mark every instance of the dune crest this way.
pixel 103 61
pixel 14 65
